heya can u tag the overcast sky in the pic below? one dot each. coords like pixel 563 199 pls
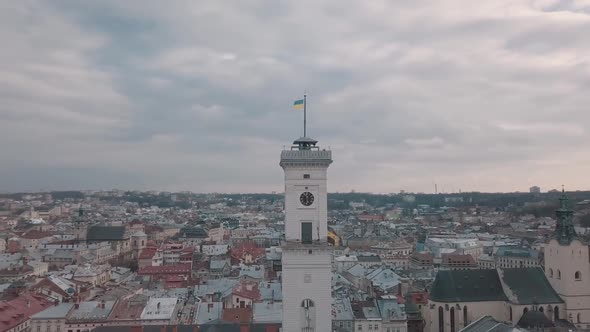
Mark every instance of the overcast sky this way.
pixel 197 95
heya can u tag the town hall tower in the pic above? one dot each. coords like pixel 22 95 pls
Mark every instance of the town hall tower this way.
pixel 306 275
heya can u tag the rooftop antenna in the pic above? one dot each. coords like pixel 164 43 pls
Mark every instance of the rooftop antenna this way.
pixel 305 113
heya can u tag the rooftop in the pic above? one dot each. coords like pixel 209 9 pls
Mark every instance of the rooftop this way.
pixel 268 312
pixel 18 310
pixel 59 311
pixel 159 308
pixel 467 286
pixel 488 324
pixel 92 311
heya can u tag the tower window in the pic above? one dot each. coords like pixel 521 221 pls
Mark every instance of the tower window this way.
pixel 578 275
pixel 306 233
pixel 307 303
pixel 306 176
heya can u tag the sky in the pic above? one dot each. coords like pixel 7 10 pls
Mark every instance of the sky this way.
pixel 197 95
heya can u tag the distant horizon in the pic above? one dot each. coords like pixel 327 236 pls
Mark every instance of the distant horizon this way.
pixel 279 193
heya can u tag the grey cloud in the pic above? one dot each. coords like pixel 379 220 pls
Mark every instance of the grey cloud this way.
pixel 197 95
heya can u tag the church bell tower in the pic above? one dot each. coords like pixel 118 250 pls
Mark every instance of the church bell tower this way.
pixel 306 274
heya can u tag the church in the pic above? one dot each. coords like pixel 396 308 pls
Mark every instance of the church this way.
pixel 557 296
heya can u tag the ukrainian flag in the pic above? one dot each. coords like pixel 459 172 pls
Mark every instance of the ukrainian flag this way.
pixel 298 104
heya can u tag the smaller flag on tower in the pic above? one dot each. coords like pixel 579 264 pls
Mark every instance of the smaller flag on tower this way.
pixel 298 104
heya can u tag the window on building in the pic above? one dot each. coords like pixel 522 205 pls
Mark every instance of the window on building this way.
pixel 359 327
pixel 441 319
pixel 578 275
pixel 452 319
pixel 306 176
pixel 550 273
pixel 306 233
pixel 465 321
pixel 558 274
pixel 370 327
pixel 579 318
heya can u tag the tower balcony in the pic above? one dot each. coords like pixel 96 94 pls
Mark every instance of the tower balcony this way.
pixel 300 157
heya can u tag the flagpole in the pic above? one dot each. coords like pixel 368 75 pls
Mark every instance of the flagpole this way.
pixel 304 114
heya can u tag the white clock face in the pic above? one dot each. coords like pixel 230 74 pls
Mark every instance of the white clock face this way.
pixel 306 198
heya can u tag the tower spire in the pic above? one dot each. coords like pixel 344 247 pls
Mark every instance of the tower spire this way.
pixel 564 229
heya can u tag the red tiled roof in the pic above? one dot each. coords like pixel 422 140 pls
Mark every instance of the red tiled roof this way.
pixel 247 289
pixel 18 310
pixel 248 247
pixel 126 309
pixel 35 234
pixel 188 250
pixel 237 315
pixel 147 253
pixel 420 298
pixel 13 247
pixel 457 259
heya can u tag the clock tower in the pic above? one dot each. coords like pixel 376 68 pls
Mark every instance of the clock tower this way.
pixel 307 270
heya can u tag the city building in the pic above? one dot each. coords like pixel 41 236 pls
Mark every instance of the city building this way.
pixel 306 255
pixel 459 297
pixel 567 267
pixel 507 257
pixel 535 190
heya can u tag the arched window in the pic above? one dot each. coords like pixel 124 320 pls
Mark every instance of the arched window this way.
pixel 307 314
pixel 579 318
pixel 511 314
pixel 465 323
pixel 525 310
pixel 307 303
pixel 550 273
pixel 558 274
pixel 541 309
pixel 441 319
pixel 556 313
pixel 452 319
pixel 578 275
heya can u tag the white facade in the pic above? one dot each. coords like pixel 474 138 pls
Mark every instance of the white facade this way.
pixel 306 275
pixel 568 270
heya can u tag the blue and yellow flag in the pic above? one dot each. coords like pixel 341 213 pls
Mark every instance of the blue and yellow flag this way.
pixel 298 104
